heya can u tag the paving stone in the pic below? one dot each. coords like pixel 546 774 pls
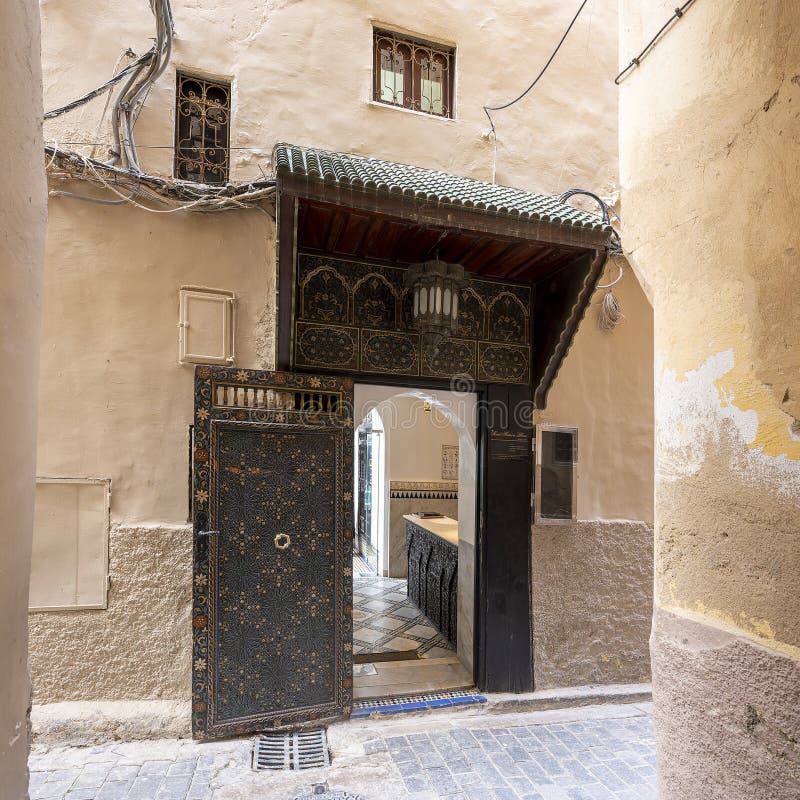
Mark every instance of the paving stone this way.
pixel 595 759
pixel 117 790
pixel 145 786
pixel 182 768
pixel 123 773
pixel 81 794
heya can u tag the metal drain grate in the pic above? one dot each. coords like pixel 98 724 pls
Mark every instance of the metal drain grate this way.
pixel 303 750
pixel 321 792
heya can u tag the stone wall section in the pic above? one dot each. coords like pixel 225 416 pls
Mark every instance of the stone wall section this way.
pixel 592 602
pixel 728 700
pixel 140 647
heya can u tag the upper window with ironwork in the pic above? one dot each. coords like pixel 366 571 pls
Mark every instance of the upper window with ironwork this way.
pixel 413 73
pixel 202 129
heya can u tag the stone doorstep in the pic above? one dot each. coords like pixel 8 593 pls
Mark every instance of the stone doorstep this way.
pixel 569 697
pixel 89 723
pixel 541 700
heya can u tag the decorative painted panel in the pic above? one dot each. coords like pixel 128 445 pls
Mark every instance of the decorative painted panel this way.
pixel 272 606
pixel 452 357
pixel 395 353
pixel 355 316
pixel 333 347
pixel 498 363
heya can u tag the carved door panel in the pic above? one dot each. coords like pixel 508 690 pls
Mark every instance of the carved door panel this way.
pixel 272 611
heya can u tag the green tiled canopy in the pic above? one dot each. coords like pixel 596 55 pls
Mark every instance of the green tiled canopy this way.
pixel 390 178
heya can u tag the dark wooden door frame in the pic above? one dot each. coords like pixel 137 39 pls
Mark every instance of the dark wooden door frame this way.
pixel 496 667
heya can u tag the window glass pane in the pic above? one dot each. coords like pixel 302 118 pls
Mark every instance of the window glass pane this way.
pixel 432 87
pixel 413 73
pixel 557 462
pixel 391 77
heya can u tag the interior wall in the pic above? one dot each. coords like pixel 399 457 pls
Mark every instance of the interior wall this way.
pixel 416 438
pixel 22 232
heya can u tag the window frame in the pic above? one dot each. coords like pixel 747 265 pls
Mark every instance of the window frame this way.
pixel 412 88
pixel 537 498
pixel 106 483
pixel 225 84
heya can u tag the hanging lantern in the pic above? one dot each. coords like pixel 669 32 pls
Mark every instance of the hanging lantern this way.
pixel 436 286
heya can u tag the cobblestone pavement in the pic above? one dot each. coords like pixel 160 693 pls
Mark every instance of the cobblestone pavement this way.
pixel 595 753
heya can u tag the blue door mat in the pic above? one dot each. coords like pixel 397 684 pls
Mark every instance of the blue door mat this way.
pixel 415 702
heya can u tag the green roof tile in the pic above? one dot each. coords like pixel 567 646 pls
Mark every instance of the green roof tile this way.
pixel 388 177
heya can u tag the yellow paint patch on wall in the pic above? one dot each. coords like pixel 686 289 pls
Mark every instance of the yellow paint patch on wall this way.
pixel 760 627
pixel 728 623
pixel 742 389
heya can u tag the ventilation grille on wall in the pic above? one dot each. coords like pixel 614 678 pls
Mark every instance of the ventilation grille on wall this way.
pixel 305 750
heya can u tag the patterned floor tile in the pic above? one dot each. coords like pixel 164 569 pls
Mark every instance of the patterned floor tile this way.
pixel 386 621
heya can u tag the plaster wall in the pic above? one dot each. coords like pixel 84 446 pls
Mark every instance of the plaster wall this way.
pixel 417 437
pixel 141 646
pixel 302 72
pixel 592 603
pixel 22 232
pixel 605 389
pixel 709 127
pixel 115 402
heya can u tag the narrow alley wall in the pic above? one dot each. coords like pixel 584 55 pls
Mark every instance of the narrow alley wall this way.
pixel 22 233
pixel 709 131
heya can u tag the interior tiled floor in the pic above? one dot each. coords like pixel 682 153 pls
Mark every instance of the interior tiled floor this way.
pixel 398 647
pixel 386 621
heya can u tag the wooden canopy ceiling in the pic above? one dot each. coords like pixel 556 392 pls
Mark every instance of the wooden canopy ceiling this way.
pixel 358 233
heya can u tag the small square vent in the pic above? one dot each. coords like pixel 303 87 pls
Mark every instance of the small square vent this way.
pixel 303 750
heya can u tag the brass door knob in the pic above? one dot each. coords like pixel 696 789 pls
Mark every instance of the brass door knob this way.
pixel 282 541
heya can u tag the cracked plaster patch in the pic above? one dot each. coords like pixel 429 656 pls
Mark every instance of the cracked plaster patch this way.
pixel 691 413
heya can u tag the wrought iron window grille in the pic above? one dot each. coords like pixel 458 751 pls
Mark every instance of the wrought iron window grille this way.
pixel 413 73
pixel 202 129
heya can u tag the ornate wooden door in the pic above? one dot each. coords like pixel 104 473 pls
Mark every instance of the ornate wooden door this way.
pixel 272 509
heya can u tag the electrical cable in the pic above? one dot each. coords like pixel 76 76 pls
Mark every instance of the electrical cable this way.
pixel 487 109
pixel 57 112
pixel 676 15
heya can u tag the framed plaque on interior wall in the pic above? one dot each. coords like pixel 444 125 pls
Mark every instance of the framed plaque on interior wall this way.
pixel 449 462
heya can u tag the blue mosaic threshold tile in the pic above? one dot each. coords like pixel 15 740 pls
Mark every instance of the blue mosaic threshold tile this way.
pixel 416 702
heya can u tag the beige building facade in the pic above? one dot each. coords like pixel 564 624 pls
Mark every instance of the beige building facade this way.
pixel 115 404
pixel 708 140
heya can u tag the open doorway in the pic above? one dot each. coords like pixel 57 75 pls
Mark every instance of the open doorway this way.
pixel 414 549
pixel 369 556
